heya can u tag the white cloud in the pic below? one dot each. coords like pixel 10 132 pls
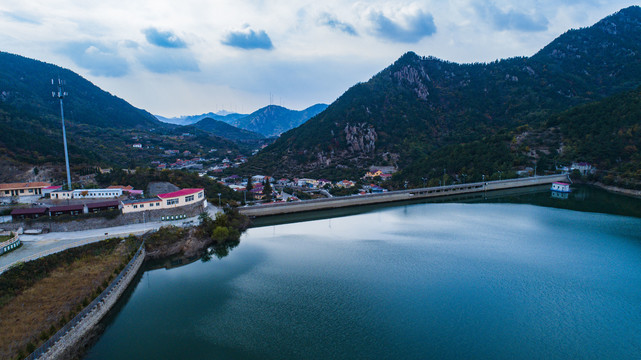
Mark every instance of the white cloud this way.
pixel 315 54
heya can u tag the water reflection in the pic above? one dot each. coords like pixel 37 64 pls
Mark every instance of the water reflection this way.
pixel 559 195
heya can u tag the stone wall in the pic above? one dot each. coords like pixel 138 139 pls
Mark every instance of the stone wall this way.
pixel 67 346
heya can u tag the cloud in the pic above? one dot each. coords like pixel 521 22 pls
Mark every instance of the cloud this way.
pixel 512 20
pixel 166 39
pixel 248 39
pixel 329 20
pixel 20 18
pixel 416 27
pixel 165 62
pixel 99 59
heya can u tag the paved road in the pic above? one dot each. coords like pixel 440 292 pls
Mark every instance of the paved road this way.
pixel 36 246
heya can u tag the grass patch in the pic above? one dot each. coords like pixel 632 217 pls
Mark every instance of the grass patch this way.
pixel 4 238
pixel 38 297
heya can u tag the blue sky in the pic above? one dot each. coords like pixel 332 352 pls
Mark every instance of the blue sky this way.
pixel 195 56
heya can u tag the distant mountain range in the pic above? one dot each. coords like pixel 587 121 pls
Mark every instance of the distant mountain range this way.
pixel 224 116
pixel 223 129
pixel 419 111
pixel 273 120
pixel 270 121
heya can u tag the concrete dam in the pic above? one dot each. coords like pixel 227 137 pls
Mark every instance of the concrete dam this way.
pixel 392 196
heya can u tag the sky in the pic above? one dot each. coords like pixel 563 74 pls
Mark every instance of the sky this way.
pixel 190 57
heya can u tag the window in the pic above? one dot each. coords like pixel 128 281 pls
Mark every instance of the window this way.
pixel 151 205
pixel 135 206
pixel 172 201
pixel 157 204
pixel 189 198
pixel 21 191
pixel 142 206
pixel 6 191
pixel 200 195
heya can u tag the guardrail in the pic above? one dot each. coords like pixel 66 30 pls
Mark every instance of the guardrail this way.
pixel 89 308
pixel 10 244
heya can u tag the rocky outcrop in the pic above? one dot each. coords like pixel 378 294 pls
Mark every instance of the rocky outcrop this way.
pixel 361 138
pixel 188 246
pixel 411 76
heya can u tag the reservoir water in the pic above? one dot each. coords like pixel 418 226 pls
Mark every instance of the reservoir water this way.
pixel 493 279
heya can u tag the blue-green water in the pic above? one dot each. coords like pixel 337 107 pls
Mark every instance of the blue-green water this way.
pixel 422 281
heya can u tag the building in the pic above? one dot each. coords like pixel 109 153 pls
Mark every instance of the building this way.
pixel 137 146
pixel 66 210
pixel 345 184
pixel 126 189
pixel 561 187
pixel 166 201
pixel 102 206
pixel 129 206
pixel 86 194
pixel 583 168
pixel 28 213
pixel 22 189
pixel 49 189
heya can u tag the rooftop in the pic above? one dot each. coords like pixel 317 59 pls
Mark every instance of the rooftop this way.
pixel 24 185
pixel 66 208
pixel 103 204
pixel 29 211
pixel 178 193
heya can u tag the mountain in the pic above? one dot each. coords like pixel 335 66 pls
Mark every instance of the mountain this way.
pixel 412 110
pixel 273 120
pixel 101 128
pixel 222 115
pixel 225 130
pixel 25 84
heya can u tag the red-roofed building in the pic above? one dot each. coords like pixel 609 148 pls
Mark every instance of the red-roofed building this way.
pixel 166 201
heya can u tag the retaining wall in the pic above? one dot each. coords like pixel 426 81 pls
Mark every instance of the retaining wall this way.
pixel 100 222
pixel 391 196
pixel 64 343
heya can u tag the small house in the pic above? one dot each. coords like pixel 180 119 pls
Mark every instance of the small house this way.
pixel 560 187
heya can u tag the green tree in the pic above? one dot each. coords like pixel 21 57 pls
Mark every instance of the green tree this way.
pixel 220 233
pixel 267 191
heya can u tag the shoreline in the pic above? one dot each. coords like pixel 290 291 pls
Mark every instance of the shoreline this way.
pixel 617 190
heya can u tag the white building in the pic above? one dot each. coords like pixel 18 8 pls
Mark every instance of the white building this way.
pixel 584 168
pixel 166 201
pixel 86 194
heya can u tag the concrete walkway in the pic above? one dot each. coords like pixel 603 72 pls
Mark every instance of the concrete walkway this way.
pixel 37 246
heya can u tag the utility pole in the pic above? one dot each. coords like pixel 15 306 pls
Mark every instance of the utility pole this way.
pixel 60 94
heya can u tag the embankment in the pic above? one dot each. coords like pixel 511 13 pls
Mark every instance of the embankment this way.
pixel 65 343
pixel 393 196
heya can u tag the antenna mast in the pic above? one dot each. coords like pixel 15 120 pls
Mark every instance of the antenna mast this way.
pixel 60 94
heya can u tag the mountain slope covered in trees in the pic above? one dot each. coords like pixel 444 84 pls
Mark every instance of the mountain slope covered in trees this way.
pixel 419 106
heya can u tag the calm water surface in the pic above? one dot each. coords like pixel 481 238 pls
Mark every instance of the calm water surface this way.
pixel 421 281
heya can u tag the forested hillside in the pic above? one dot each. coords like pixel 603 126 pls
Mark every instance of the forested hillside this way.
pixel 421 108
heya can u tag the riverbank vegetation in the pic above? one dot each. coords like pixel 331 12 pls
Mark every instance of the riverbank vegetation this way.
pixel 39 297
pixel 217 236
